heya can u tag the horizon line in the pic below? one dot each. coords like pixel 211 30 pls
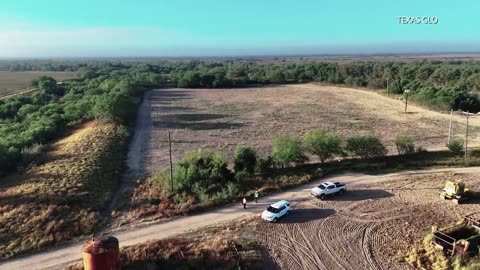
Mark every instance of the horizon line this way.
pixel 294 55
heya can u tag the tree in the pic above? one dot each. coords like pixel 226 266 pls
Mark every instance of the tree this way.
pixel 397 86
pixel 245 158
pixel 286 150
pixel 456 147
pixel 405 144
pixel 190 79
pixel 201 169
pixel 277 76
pixel 26 109
pixel 48 85
pixel 114 108
pixel 365 146
pixel 322 144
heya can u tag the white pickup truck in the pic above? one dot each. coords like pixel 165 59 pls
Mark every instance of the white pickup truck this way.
pixel 328 188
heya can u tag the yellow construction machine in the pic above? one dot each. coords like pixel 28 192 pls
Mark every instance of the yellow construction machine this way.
pixel 455 190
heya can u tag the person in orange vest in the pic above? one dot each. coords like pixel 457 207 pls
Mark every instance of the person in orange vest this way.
pixel 244 202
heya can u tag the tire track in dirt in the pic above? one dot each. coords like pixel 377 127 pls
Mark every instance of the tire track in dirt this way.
pixel 269 241
pixel 318 261
pixel 285 240
pixel 301 249
pixel 367 249
pixel 337 261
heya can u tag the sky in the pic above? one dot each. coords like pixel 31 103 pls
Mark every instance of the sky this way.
pixel 144 28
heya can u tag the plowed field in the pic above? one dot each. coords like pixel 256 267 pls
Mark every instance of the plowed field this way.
pixel 367 227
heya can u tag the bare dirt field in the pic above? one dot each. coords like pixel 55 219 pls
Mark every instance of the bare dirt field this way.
pixel 13 81
pixel 220 119
pixel 369 227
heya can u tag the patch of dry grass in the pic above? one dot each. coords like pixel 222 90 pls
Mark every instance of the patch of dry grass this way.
pixel 63 197
pixel 209 248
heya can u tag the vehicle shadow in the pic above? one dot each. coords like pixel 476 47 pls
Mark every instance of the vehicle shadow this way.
pixel 360 194
pixel 303 215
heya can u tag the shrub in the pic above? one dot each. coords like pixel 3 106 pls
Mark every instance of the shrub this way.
pixel 30 154
pixel 277 76
pixel 114 108
pixel 322 144
pixel 286 150
pixel 262 165
pixel 455 146
pixel 405 144
pixel 365 146
pixel 48 85
pixel 245 158
pixel 241 175
pixel 202 169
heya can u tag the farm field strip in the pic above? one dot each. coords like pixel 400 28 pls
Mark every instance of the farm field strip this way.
pixel 11 82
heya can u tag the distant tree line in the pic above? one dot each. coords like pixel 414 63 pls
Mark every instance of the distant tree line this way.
pixel 437 84
pixel 110 90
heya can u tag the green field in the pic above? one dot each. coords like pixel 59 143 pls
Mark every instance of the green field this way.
pixel 13 81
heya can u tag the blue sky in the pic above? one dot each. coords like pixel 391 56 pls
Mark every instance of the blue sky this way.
pixel 91 28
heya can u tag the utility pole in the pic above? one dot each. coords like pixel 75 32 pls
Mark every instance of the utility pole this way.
pixel 387 87
pixel 406 99
pixel 466 138
pixel 450 128
pixel 171 164
pixel 466 133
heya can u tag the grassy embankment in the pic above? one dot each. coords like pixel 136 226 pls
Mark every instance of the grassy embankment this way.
pixel 62 198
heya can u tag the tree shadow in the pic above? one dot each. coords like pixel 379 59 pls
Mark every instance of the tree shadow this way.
pixel 196 117
pixel 360 195
pixel 303 215
pixel 161 95
pixel 201 121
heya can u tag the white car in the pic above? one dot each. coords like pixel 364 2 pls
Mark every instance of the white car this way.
pixel 276 211
pixel 328 188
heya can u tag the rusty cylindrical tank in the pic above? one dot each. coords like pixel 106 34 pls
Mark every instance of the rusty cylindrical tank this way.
pixel 101 254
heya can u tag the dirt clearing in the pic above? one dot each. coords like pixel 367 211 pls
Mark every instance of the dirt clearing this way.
pixel 368 227
pixel 220 119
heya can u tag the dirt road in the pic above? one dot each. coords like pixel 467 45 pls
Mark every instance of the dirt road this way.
pixel 57 258
pixel 18 92
pixel 136 151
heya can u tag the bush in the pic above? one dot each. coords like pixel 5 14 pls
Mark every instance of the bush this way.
pixel 114 108
pixel 48 85
pixel 456 147
pixel 322 144
pixel 241 175
pixel 286 150
pixel 202 169
pixel 245 158
pixel 365 147
pixel 30 154
pixel 405 144
pixel 262 165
